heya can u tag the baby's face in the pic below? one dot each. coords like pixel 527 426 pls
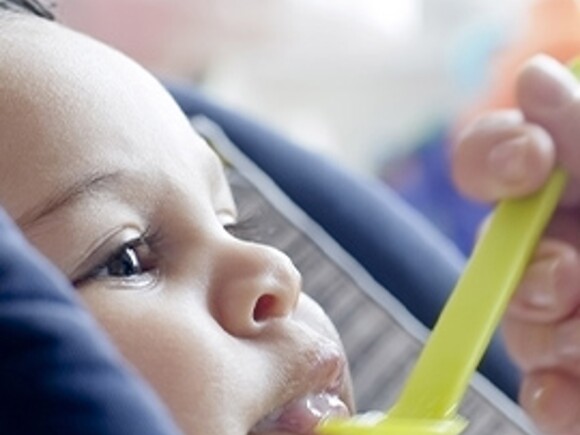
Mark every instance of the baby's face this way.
pixel 105 176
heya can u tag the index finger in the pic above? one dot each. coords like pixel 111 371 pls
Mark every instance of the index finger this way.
pixel 501 156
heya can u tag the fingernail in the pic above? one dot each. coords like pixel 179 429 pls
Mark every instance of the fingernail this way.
pixel 542 293
pixel 550 84
pixel 542 400
pixel 507 160
pixel 567 339
pixel 537 392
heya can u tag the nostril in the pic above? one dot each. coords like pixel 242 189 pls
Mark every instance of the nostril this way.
pixel 264 307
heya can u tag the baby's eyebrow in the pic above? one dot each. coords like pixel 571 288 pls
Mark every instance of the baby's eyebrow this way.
pixel 68 195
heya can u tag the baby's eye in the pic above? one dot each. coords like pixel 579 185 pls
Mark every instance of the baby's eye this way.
pixel 126 262
pixel 133 261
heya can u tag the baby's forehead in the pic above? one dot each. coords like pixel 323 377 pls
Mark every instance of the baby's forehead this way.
pixel 46 86
pixel 37 56
pixel 43 69
pixel 30 42
pixel 70 105
pixel 55 79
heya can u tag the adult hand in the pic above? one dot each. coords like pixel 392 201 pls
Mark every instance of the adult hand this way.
pixel 510 154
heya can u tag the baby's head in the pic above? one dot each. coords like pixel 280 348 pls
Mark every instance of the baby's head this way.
pixel 105 176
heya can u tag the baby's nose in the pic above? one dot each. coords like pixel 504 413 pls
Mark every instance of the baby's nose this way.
pixel 253 285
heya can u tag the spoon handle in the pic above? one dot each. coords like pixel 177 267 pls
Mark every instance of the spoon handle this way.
pixel 470 317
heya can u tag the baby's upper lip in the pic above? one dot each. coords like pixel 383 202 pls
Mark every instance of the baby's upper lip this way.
pixel 319 400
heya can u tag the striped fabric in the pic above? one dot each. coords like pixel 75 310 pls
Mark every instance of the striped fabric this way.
pixel 381 338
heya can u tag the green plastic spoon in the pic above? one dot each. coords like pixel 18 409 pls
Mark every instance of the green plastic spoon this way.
pixel 429 401
pixel 431 397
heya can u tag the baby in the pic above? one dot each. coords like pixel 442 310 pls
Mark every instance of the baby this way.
pixel 104 175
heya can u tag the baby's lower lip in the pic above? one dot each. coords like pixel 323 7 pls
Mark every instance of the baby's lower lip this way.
pixel 301 416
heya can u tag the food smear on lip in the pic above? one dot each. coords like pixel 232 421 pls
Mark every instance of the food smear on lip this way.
pixel 302 415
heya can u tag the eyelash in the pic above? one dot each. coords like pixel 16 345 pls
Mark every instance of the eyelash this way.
pixel 145 262
pixel 245 227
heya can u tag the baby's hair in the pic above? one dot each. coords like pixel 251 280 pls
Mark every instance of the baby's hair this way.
pixel 35 7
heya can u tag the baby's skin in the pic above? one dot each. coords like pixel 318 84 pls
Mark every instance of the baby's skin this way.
pixel 105 176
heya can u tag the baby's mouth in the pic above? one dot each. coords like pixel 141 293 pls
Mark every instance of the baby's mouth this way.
pixel 302 415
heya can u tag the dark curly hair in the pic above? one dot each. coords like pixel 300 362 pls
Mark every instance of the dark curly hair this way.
pixel 35 7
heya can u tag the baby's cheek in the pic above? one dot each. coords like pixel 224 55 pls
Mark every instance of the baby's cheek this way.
pixel 173 349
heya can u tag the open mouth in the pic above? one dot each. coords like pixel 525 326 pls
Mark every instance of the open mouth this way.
pixel 302 415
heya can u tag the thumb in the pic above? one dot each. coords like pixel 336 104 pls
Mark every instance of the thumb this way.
pixel 549 95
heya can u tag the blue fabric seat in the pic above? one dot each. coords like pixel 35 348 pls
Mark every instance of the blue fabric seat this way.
pixel 58 373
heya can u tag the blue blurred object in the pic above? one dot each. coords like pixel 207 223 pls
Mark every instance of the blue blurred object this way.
pixel 59 374
pixel 423 178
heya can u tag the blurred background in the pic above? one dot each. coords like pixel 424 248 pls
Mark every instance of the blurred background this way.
pixel 380 86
